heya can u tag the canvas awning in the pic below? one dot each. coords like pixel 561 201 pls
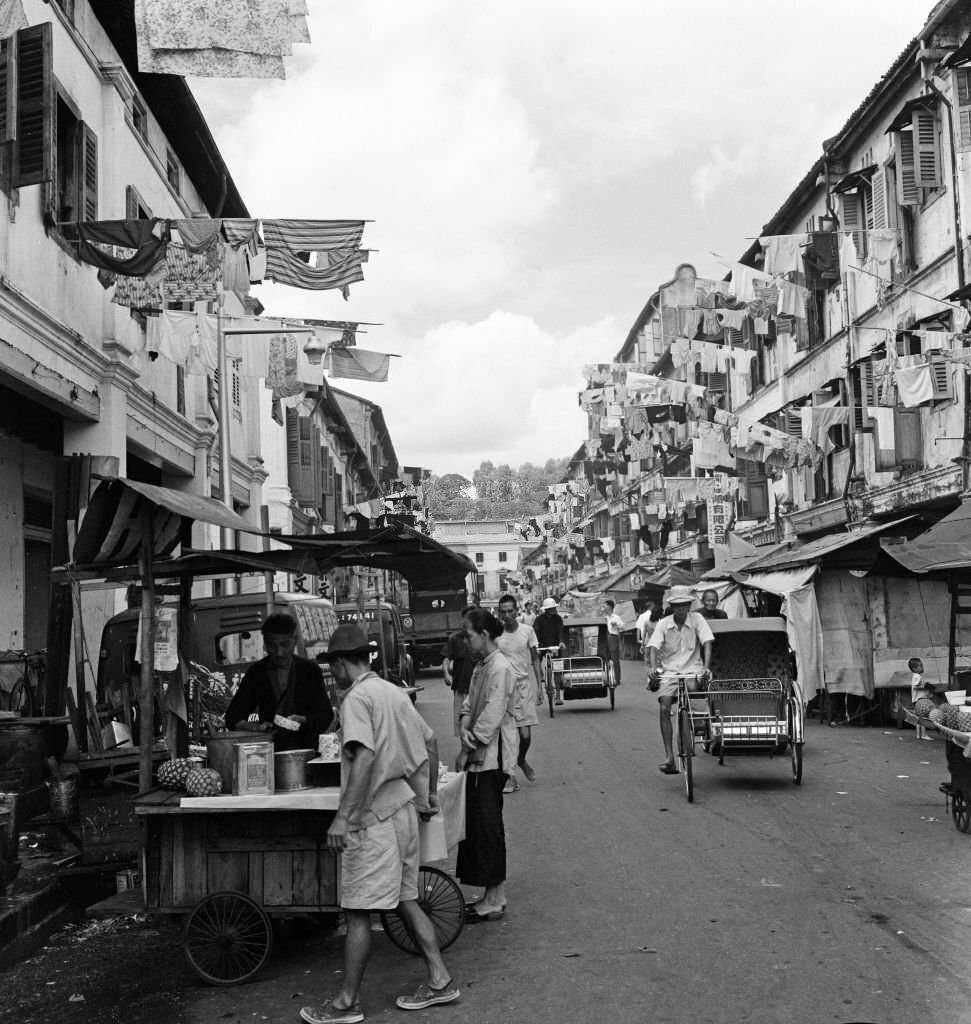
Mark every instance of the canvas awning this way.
pixel 111 527
pixel 946 545
pixel 814 550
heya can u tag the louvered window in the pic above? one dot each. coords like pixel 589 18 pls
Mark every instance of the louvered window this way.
pixel 33 159
pixel 962 90
pixel 908 194
pixel 853 218
pixel 303 459
pixel 927 149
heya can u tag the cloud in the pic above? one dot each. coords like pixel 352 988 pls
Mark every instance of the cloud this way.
pixel 500 389
pixel 532 167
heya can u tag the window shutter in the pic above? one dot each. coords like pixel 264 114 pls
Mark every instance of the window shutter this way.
pixel 908 194
pixel 962 90
pixel 89 175
pixel 865 396
pixel 716 381
pixel 300 461
pixel 131 205
pixel 941 379
pixel 851 219
pixel 34 147
pixel 8 89
pixel 878 186
pixel 927 150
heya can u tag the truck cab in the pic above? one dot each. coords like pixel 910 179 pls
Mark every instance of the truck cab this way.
pixel 384 624
pixel 435 613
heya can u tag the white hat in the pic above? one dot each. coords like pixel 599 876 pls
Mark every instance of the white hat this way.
pixel 548 602
pixel 681 595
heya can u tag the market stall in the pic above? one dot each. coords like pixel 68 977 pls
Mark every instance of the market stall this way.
pixel 230 861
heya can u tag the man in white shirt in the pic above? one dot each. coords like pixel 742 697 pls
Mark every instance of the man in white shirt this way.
pixel 679 646
pixel 518 643
pixel 615 626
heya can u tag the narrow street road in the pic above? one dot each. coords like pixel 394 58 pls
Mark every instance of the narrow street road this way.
pixel 840 900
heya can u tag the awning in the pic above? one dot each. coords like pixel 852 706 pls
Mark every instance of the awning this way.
pixel 782 582
pixel 854 178
pixel 946 545
pixel 111 528
pixel 906 113
pixel 962 55
pixel 814 550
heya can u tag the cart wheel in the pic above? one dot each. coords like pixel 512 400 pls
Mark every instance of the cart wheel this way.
pixel 441 898
pixel 961 810
pixel 228 938
pixel 686 752
pixel 611 683
pixel 795 752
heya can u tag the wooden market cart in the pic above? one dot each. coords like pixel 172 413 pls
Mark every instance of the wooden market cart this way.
pixel 229 864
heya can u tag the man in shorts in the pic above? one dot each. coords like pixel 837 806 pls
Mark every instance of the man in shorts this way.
pixel 389 772
pixel 518 643
pixel 679 646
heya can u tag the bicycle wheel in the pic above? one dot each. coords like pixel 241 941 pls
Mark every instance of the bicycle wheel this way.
pixel 611 684
pixel 441 898
pixel 686 752
pixel 550 685
pixel 228 938
pixel 961 810
pixel 795 750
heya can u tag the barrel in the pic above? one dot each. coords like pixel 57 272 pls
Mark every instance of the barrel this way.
pixel 221 754
pixel 24 750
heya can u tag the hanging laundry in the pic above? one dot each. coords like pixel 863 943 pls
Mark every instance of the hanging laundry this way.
pixel 733 318
pixel 341 272
pixel 883 245
pixel 236 38
pixel 783 253
pixel 146 238
pixel 281 367
pixel 190 277
pixel 303 236
pixel 915 384
pixel 358 364
pixel 710 448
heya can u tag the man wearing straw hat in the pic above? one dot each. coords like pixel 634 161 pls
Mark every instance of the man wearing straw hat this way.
pixel 389 775
pixel 679 646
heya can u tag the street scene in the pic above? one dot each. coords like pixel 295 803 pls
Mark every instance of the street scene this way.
pixel 485 495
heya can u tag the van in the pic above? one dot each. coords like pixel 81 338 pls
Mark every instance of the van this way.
pixel 224 638
pixel 385 628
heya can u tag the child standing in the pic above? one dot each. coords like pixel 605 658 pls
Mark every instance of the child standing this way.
pixel 919 688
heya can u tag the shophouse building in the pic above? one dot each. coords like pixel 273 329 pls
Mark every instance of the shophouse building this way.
pixel 814 400
pixel 495 546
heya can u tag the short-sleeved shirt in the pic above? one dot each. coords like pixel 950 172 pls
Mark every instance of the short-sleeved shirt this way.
pixel 645 625
pixel 516 646
pixel 615 624
pixel 680 649
pixel 379 716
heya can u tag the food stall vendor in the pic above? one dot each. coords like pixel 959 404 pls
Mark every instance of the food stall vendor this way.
pixel 286 691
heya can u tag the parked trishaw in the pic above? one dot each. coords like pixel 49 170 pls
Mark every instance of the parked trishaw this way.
pixel 750 705
pixel 583 670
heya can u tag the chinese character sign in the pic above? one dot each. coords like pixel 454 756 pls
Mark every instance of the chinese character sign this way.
pixel 719 517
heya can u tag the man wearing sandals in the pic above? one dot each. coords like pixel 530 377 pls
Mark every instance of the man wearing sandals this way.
pixel 389 773
pixel 679 646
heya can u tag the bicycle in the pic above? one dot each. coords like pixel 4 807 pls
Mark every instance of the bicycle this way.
pixel 549 679
pixel 21 677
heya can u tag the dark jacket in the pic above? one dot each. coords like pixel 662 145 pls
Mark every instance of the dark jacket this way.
pixel 305 695
pixel 548 627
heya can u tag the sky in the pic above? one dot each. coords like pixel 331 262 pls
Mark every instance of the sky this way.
pixel 533 171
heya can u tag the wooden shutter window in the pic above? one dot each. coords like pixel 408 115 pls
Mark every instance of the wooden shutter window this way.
pixel 878 201
pixel 8 89
pixel 89 174
pixel 865 395
pixel 927 150
pixel 941 379
pixel 852 219
pixel 34 146
pixel 908 192
pixel 962 90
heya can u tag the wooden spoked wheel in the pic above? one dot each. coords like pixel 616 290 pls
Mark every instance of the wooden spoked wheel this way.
pixel 228 938
pixel 441 898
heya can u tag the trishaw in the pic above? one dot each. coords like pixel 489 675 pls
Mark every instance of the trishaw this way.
pixel 583 671
pixel 750 705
